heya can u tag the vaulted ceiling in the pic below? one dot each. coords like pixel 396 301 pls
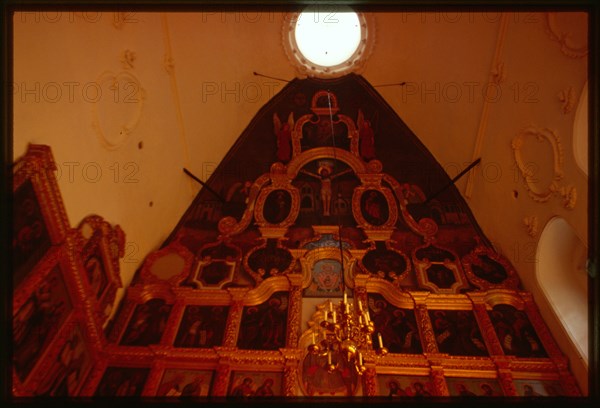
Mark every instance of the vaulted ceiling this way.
pixel 127 100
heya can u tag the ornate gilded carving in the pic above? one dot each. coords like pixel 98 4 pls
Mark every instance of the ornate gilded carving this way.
pixel 426 226
pixel 386 263
pixel 221 380
pixel 487 269
pixel 37 167
pixel 506 382
pixel 170 265
pixel 369 384
pixel 294 314
pixel 427 335
pixel 290 379
pixel 438 269
pixel 268 260
pixel 233 323
pixel 439 383
pixel 374 206
pixel 487 329
pixel 541 195
pixel 540 327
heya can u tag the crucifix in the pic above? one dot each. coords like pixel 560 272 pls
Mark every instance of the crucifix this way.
pixel 325 177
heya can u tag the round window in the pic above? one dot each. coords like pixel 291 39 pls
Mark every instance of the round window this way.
pixel 327 42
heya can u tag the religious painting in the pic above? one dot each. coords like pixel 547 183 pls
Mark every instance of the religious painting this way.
pixel 122 382
pixel 319 133
pixel 326 279
pixel 324 172
pixel 283 131
pixel 185 383
pixel 404 386
pixel 374 207
pixel 474 387
pixel 31 238
pixel 255 384
pixel 398 327
pixel 93 264
pixel 147 323
pixel 515 332
pixel 539 388
pixel 438 269
pixel 38 320
pixel 487 269
pixel 318 381
pixel 264 326
pixel 386 263
pixel 214 273
pixel 267 261
pixel 202 326
pixel 456 333
pixel 277 206
pixel 441 276
pixel 69 368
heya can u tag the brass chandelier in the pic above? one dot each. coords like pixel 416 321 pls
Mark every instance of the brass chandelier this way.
pixel 345 333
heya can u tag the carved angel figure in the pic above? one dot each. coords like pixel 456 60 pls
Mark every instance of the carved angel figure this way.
pixel 283 131
pixel 366 137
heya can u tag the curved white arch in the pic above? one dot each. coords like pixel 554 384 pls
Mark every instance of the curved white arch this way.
pixel 561 274
pixel 580 131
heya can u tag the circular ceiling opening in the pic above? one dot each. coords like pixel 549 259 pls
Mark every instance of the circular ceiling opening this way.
pixel 328 38
pixel 327 41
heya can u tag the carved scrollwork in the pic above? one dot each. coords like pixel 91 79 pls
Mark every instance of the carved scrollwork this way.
pixel 386 262
pixel 268 260
pixel 438 269
pixel 229 226
pixel 568 45
pixel 124 115
pixel 170 264
pixel 487 269
pixel 541 195
pixel 426 227
pixel 374 207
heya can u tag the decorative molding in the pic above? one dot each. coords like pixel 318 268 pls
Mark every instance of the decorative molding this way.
pixel 568 46
pixel 567 193
pixel 531 224
pixel 568 100
pixel 497 75
pixel 126 91
pixel 128 57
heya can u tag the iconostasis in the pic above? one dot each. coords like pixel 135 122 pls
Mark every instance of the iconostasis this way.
pixel 326 193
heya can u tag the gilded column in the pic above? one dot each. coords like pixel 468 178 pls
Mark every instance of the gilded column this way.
pixel 540 327
pixel 505 379
pixel 439 382
pixel 290 379
pixel 485 325
pixel 427 335
pixel 168 337
pixel 234 319
pixel 295 312
pixel 221 379
pixel 369 387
